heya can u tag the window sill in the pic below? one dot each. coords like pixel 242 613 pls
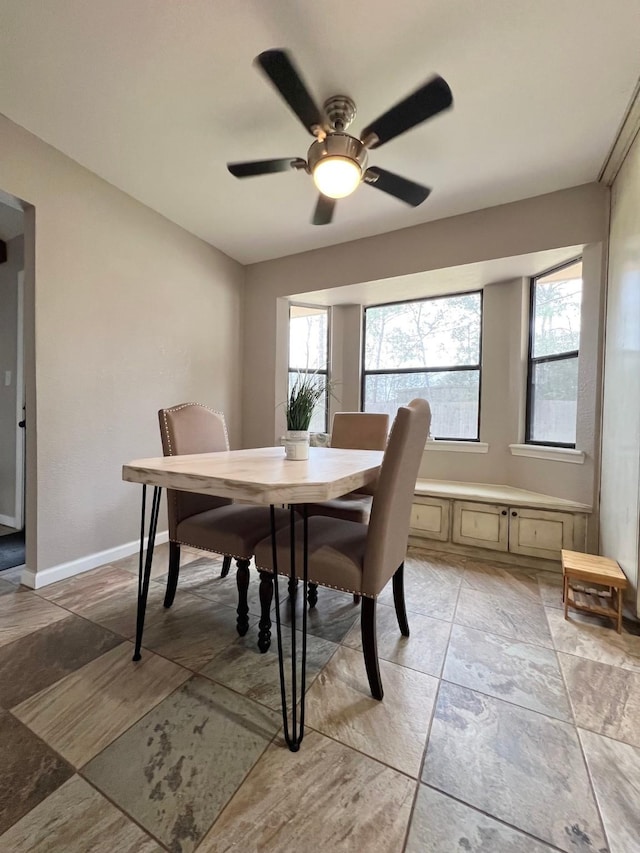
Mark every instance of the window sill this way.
pixel 458 446
pixel 553 454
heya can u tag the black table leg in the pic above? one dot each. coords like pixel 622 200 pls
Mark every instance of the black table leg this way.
pixel 144 571
pixel 294 736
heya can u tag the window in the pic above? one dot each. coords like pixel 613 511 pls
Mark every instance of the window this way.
pixel 309 353
pixel 554 341
pixel 429 348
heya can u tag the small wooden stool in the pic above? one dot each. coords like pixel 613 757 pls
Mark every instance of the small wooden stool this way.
pixel 594 570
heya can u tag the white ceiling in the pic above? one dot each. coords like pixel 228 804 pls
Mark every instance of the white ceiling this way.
pixel 157 95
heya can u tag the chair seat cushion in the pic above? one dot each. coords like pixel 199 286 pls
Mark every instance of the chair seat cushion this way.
pixel 234 529
pixel 351 507
pixel 336 552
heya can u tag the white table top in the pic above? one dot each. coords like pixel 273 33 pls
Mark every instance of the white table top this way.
pixel 261 475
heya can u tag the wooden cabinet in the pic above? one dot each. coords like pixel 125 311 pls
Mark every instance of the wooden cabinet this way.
pixel 516 525
pixel 431 518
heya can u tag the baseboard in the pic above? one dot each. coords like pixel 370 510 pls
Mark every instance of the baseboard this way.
pixel 8 521
pixel 36 580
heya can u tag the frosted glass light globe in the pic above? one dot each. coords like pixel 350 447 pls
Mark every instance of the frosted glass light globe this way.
pixel 337 177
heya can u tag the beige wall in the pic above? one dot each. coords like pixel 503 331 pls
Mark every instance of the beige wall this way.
pixel 9 362
pixel 620 490
pixel 131 313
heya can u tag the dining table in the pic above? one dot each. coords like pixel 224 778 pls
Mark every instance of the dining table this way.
pixel 260 476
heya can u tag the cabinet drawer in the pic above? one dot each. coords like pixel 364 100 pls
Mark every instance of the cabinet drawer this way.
pixel 480 524
pixel 540 533
pixel 430 518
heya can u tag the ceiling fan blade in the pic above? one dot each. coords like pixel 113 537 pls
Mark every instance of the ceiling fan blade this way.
pixel 425 102
pixel 407 191
pixel 323 214
pixel 262 167
pixel 279 68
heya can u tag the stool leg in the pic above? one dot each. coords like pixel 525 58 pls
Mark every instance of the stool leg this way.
pixel 565 596
pixel 619 611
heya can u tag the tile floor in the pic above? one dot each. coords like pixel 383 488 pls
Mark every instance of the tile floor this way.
pixel 504 729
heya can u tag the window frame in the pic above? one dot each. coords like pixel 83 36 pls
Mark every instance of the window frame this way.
pixel 327 371
pixel 532 360
pixel 454 369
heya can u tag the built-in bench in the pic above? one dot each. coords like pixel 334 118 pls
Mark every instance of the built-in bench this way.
pixel 515 525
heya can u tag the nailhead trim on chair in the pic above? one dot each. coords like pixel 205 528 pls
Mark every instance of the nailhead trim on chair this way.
pixel 321 583
pixel 211 551
pixel 186 406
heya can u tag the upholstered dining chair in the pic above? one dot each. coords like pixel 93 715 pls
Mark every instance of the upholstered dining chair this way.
pixel 359 558
pixel 210 523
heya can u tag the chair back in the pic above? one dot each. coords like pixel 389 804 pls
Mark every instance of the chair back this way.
pixel 191 428
pixel 360 430
pixel 388 531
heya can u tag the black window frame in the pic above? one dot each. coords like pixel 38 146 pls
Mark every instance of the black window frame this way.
pixel 327 371
pixel 456 368
pixel 532 360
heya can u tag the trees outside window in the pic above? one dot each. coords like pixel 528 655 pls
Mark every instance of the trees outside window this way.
pixel 309 354
pixel 427 348
pixel 554 343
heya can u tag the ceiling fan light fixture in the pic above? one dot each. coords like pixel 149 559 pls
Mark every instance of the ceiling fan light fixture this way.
pixel 337 177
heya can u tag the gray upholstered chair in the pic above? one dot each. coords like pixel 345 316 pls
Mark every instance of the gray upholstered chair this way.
pixel 210 523
pixel 359 558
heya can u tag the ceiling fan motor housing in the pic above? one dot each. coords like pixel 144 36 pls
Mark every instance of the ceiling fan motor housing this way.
pixel 337 145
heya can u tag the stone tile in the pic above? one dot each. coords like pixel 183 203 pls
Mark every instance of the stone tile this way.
pixel 160 564
pixel 430 587
pixel 327 797
pixel 244 669
pixel 522 673
pixel 13 575
pixel 76 819
pixel 424 650
pixel 597 642
pixel 107 596
pixel 394 731
pixel 85 711
pixel 175 770
pixel 508 617
pixel 30 772
pixel 501 581
pixel 38 660
pixel 6 587
pixel 193 630
pixel 22 612
pixel 513 764
pixel 615 771
pixel 550 585
pixel 331 618
pixel 442 825
pixel 605 699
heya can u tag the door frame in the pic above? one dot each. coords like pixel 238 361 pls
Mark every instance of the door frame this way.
pixel 20 401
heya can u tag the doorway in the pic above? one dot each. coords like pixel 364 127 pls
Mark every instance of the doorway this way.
pixel 12 396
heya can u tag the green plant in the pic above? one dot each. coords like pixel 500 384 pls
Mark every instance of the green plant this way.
pixel 303 398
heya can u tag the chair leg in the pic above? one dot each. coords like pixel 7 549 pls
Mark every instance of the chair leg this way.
pixel 356 598
pixel 398 600
pixel 226 566
pixel 312 594
pixel 242 581
pixel 292 587
pixel 370 646
pixel 174 571
pixel 266 596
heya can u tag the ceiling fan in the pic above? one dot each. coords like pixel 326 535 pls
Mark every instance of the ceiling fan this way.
pixel 336 160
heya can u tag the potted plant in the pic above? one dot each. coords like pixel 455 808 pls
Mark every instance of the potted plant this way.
pixel 303 399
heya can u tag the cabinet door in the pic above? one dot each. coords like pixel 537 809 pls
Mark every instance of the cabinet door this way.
pixel 482 525
pixel 430 518
pixel 539 532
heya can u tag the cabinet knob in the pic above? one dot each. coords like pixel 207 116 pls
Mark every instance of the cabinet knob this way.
pixel 504 512
pixel 514 514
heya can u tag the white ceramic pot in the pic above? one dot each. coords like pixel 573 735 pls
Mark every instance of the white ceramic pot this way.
pixel 296 444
